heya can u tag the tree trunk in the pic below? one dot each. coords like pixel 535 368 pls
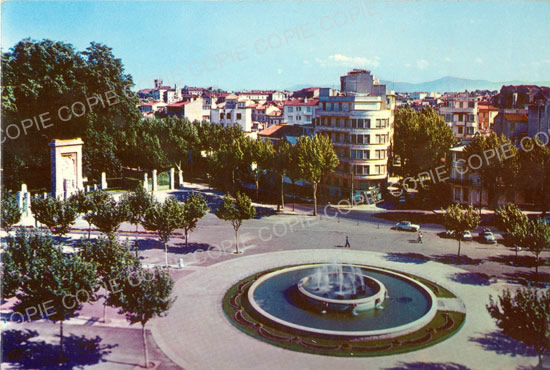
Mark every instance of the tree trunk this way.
pixel 257 189
pixel 233 180
pixel 166 254
pixel 186 238
pixel 458 247
pixel 537 268
pixel 236 241
pixel 104 309
pixel 314 199
pixel 61 359
pixel 282 191
pixel 89 229
pixel 137 245
pixel 145 351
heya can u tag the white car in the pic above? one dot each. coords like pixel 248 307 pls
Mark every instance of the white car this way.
pixel 466 237
pixel 487 237
pixel 406 226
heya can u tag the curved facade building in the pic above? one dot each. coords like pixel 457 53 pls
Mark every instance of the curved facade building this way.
pixel 359 121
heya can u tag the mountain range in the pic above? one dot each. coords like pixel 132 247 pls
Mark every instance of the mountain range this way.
pixel 445 84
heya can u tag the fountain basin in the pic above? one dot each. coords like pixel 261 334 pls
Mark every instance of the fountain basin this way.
pixel 409 306
pixel 369 295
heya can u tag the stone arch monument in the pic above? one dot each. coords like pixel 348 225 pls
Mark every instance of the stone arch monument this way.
pixel 66 159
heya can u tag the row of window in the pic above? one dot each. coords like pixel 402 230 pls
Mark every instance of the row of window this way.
pixel 365 154
pixel 353 123
pixel 469 130
pixel 462 104
pixel 228 116
pixel 299 118
pixel 366 170
pixel 299 109
pixel 460 117
pixel 365 139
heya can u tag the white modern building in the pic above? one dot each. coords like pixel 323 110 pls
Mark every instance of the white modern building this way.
pixel 234 111
pixel 461 114
pixel 299 111
pixel 359 121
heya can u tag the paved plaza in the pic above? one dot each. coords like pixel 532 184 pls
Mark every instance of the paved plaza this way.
pixel 196 334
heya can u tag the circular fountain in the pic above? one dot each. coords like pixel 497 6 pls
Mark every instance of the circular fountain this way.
pixel 335 289
pixel 343 300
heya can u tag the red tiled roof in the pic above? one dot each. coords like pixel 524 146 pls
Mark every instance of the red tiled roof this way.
pixel 516 117
pixel 296 102
pixel 279 131
pixel 178 104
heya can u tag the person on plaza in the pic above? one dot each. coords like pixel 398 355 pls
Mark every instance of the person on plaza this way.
pixel 419 240
pixel 347 243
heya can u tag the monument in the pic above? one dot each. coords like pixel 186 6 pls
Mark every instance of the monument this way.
pixel 66 159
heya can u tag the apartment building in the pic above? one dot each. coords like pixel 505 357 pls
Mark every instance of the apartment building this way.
pixel 486 117
pixel 299 111
pixel 234 111
pixel 359 121
pixel 460 112
pixel 188 108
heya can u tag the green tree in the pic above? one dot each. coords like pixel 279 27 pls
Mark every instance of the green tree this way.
pixel 534 235
pixel 113 261
pixel 236 210
pixel 459 220
pixel 495 159
pixel 11 214
pixel 280 158
pixel 44 76
pixel 151 297
pixel 257 158
pixel 88 205
pixel 139 201
pixel 108 214
pixel 524 316
pixel 426 130
pixel 164 219
pixel 46 277
pixel 194 208
pixel 534 172
pixel 316 159
pixel 57 215
pixel 507 217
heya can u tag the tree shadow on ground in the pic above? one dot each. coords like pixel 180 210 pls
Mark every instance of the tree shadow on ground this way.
pixel 471 278
pixel 503 344
pixel 521 261
pixel 529 278
pixel 177 248
pixel 22 352
pixel 428 365
pixel 453 259
pixel 407 258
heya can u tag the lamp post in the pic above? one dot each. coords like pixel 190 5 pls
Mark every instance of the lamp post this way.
pixel 352 190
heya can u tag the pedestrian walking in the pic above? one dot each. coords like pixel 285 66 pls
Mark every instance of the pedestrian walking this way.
pixel 347 243
pixel 419 240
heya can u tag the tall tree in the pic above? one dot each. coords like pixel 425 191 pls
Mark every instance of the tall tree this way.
pixel 57 215
pixel 164 219
pixel 43 80
pixel 524 316
pixel 426 130
pixel 108 214
pixel 236 210
pixel 280 157
pixel 11 214
pixel 316 159
pixel 534 235
pixel 194 208
pixel 151 298
pixel 113 260
pixel 139 202
pixel 45 276
pixel 459 220
pixel 495 159
pixel 534 173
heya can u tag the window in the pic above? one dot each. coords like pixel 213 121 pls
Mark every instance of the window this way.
pixel 380 139
pixel 471 118
pixel 239 116
pixel 298 118
pixel 228 115
pixel 298 109
pixel 353 123
pixel 381 123
pixel 308 109
pixel 290 109
pixel 222 115
pixel 380 169
pixel 380 154
pixel 460 130
pixel 471 104
pixel 470 130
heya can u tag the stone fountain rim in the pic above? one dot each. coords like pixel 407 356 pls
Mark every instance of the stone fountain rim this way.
pixel 374 334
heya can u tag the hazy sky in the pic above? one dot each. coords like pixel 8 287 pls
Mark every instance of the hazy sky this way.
pixel 264 45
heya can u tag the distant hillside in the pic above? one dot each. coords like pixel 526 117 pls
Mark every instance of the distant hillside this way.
pixel 444 84
pixel 455 84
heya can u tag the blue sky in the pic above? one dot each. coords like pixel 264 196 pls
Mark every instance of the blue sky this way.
pixel 235 45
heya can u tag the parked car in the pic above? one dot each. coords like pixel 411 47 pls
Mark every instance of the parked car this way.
pixel 487 236
pixel 406 226
pixel 467 235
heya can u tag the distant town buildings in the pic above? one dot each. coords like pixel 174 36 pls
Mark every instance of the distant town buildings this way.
pixel 300 111
pixel 359 121
pixel 460 112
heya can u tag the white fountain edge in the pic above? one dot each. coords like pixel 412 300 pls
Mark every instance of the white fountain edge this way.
pixel 372 334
